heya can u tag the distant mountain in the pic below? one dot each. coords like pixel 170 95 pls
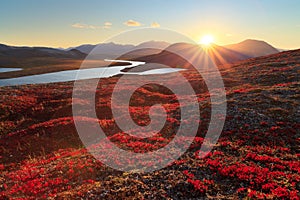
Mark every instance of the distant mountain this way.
pixel 105 48
pixel 6 50
pixel 171 55
pixel 221 55
pixel 144 49
pixel 85 48
pixel 230 53
pixel 253 48
pixel 151 51
pixel 153 45
pixel 11 56
pixel 113 50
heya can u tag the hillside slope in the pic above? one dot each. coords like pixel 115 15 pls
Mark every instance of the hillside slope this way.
pixel 24 57
pixel 253 48
pixel 221 55
pixel 256 157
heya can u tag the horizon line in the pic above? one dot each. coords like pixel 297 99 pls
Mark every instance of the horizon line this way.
pixel 68 47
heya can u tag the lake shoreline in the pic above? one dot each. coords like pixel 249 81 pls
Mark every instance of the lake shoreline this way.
pixel 36 70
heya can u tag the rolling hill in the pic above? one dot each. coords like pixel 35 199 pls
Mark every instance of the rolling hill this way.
pixel 11 56
pixel 171 56
pixel 43 156
pixel 151 51
pixel 112 50
pixel 221 55
pixel 253 48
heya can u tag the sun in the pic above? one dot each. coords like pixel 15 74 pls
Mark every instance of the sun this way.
pixel 207 40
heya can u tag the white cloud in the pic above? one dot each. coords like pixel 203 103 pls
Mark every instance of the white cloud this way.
pixel 132 23
pixel 155 25
pixel 107 25
pixel 84 26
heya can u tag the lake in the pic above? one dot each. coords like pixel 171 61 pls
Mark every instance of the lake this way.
pixel 9 69
pixel 81 74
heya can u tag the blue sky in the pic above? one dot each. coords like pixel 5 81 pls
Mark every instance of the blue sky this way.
pixel 70 23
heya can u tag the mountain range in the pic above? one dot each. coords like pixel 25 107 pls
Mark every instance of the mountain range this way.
pixel 11 56
pixel 221 55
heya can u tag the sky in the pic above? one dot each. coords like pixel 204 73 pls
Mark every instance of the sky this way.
pixel 67 23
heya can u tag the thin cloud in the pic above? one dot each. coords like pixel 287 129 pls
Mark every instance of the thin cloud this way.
pixel 107 25
pixel 132 23
pixel 155 25
pixel 84 26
